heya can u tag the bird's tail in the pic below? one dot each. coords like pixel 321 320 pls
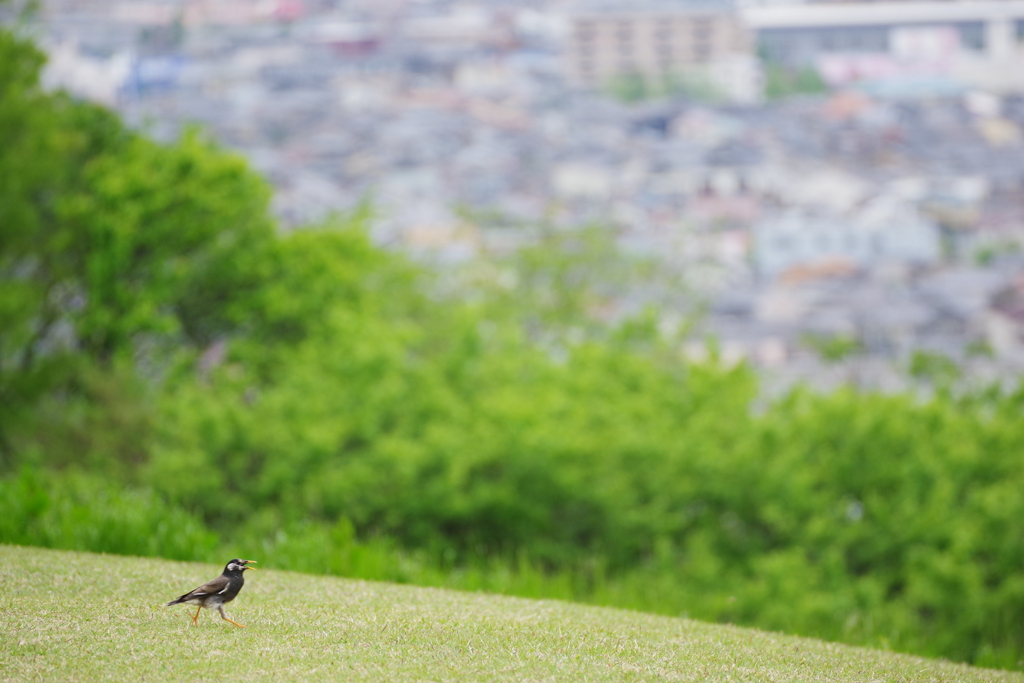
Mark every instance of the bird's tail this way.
pixel 177 601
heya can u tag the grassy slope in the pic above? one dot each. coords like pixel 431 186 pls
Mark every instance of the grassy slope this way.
pixel 80 616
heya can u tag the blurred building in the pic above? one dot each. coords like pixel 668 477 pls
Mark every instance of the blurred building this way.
pixel 905 45
pixel 883 231
pixel 662 43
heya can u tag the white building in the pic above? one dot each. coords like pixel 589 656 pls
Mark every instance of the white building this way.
pixel 92 78
pixel 978 43
pixel 884 231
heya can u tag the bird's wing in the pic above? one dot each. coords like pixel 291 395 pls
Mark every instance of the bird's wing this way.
pixel 218 585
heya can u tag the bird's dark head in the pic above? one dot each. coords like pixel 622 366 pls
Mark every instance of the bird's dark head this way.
pixel 238 566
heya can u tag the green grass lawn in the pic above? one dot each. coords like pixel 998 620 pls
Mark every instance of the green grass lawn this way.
pixel 80 616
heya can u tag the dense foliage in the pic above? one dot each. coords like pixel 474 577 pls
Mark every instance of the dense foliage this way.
pixel 178 378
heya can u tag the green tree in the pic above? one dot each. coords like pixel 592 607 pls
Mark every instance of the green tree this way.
pixel 934 367
pixel 108 239
pixel 144 223
pixel 782 81
pixel 833 348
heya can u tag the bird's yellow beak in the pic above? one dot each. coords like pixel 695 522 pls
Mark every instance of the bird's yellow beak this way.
pixel 252 561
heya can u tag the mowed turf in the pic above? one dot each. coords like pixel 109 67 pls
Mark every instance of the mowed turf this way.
pixel 79 616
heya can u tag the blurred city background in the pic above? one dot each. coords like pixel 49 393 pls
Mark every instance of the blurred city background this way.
pixel 839 186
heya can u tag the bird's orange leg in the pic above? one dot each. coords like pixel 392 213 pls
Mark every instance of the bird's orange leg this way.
pixel 195 619
pixel 224 616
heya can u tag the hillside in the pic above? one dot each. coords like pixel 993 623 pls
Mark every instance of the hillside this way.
pixel 82 616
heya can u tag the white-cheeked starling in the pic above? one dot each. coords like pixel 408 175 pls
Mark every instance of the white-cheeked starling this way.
pixel 214 594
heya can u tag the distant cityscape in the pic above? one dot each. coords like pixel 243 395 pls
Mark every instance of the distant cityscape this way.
pixel 842 183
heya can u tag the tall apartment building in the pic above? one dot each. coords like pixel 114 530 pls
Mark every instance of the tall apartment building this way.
pixel 654 41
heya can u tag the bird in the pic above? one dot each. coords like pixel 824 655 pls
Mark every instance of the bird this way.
pixel 213 594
